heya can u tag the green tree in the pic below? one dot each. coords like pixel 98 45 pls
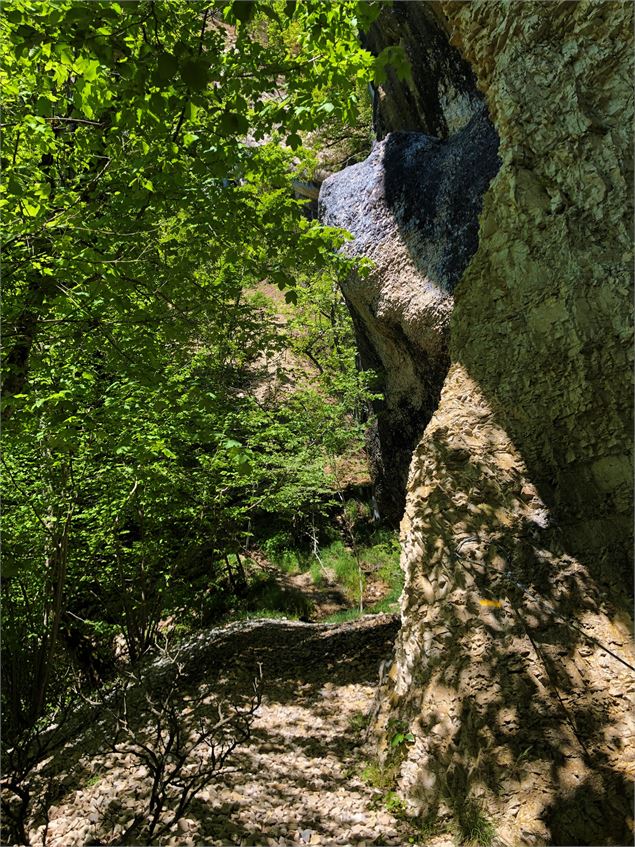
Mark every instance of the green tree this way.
pixel 148 155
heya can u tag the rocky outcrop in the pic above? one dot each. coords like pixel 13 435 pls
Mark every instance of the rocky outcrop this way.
pixel 515 669
pixel 413 209
pixel 515 661
pixel 544 315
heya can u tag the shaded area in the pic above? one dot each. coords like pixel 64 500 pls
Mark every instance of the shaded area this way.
pixel 443 92
pixel 413 207
pixel 313 654
pixel 435 190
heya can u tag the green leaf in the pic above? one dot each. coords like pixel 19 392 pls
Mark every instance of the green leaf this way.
pixel 167 66
pixel 32 210
pixel 157 104
pixel 195 74
pixel 293 141
pixel 234 123
pixel 190 111
pixel 44 107
pixel 243 10
pixel 87 67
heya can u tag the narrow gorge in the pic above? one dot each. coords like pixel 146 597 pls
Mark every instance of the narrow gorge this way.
pixel 317 423
pixel 496 207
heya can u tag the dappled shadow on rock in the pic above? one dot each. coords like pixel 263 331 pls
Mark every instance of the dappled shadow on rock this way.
pixel 514 669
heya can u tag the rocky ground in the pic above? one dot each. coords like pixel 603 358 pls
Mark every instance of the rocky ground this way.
pixel 296 781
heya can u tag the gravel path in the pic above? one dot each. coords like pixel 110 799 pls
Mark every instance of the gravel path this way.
pixel 297 781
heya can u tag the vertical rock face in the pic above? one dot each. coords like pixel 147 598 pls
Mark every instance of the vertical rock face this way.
pixel 514 665
pixel 544 314
pixel 413 209
pixel 515 662
pixel 442 95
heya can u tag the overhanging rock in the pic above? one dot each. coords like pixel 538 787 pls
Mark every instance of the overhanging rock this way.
pixel 413 207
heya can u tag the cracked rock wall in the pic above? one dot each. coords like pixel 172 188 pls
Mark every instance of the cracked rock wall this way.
pixel 515 665
pixel 515 661
pixel 544 314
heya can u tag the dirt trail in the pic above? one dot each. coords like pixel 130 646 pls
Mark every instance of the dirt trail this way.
pixel 298 779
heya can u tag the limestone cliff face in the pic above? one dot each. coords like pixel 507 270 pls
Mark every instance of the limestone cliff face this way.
pixel 515 662
pixel 413 208
pixel 544 317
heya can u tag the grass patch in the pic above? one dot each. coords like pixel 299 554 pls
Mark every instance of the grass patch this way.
pixel 358 722
pixel 385 554
pixel 379 556
pixel 265 596
pixel 282 551
pixel 379 776
pixel 376 557
pixel 474 827
pixel 344 616
pixel 342 561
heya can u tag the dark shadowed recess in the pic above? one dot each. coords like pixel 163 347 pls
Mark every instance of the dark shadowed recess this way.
pixel 439 187
pixel 439 72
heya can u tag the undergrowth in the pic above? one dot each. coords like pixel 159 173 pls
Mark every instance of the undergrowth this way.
pixel 373 558
pixel 473 827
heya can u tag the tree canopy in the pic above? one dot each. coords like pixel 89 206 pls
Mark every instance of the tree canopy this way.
pixel 149 152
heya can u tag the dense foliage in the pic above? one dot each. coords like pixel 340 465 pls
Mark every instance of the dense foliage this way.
pixel 149 150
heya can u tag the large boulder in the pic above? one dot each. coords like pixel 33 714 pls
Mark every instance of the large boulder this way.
pixel 413 207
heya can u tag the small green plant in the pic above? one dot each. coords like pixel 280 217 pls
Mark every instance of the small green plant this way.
pixel 358 722
pixel 379 776
pixel 395 805
pixel 384 775
pixel 474 827
pixel 400 738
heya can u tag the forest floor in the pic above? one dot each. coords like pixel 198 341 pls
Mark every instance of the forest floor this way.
pixel 298 780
